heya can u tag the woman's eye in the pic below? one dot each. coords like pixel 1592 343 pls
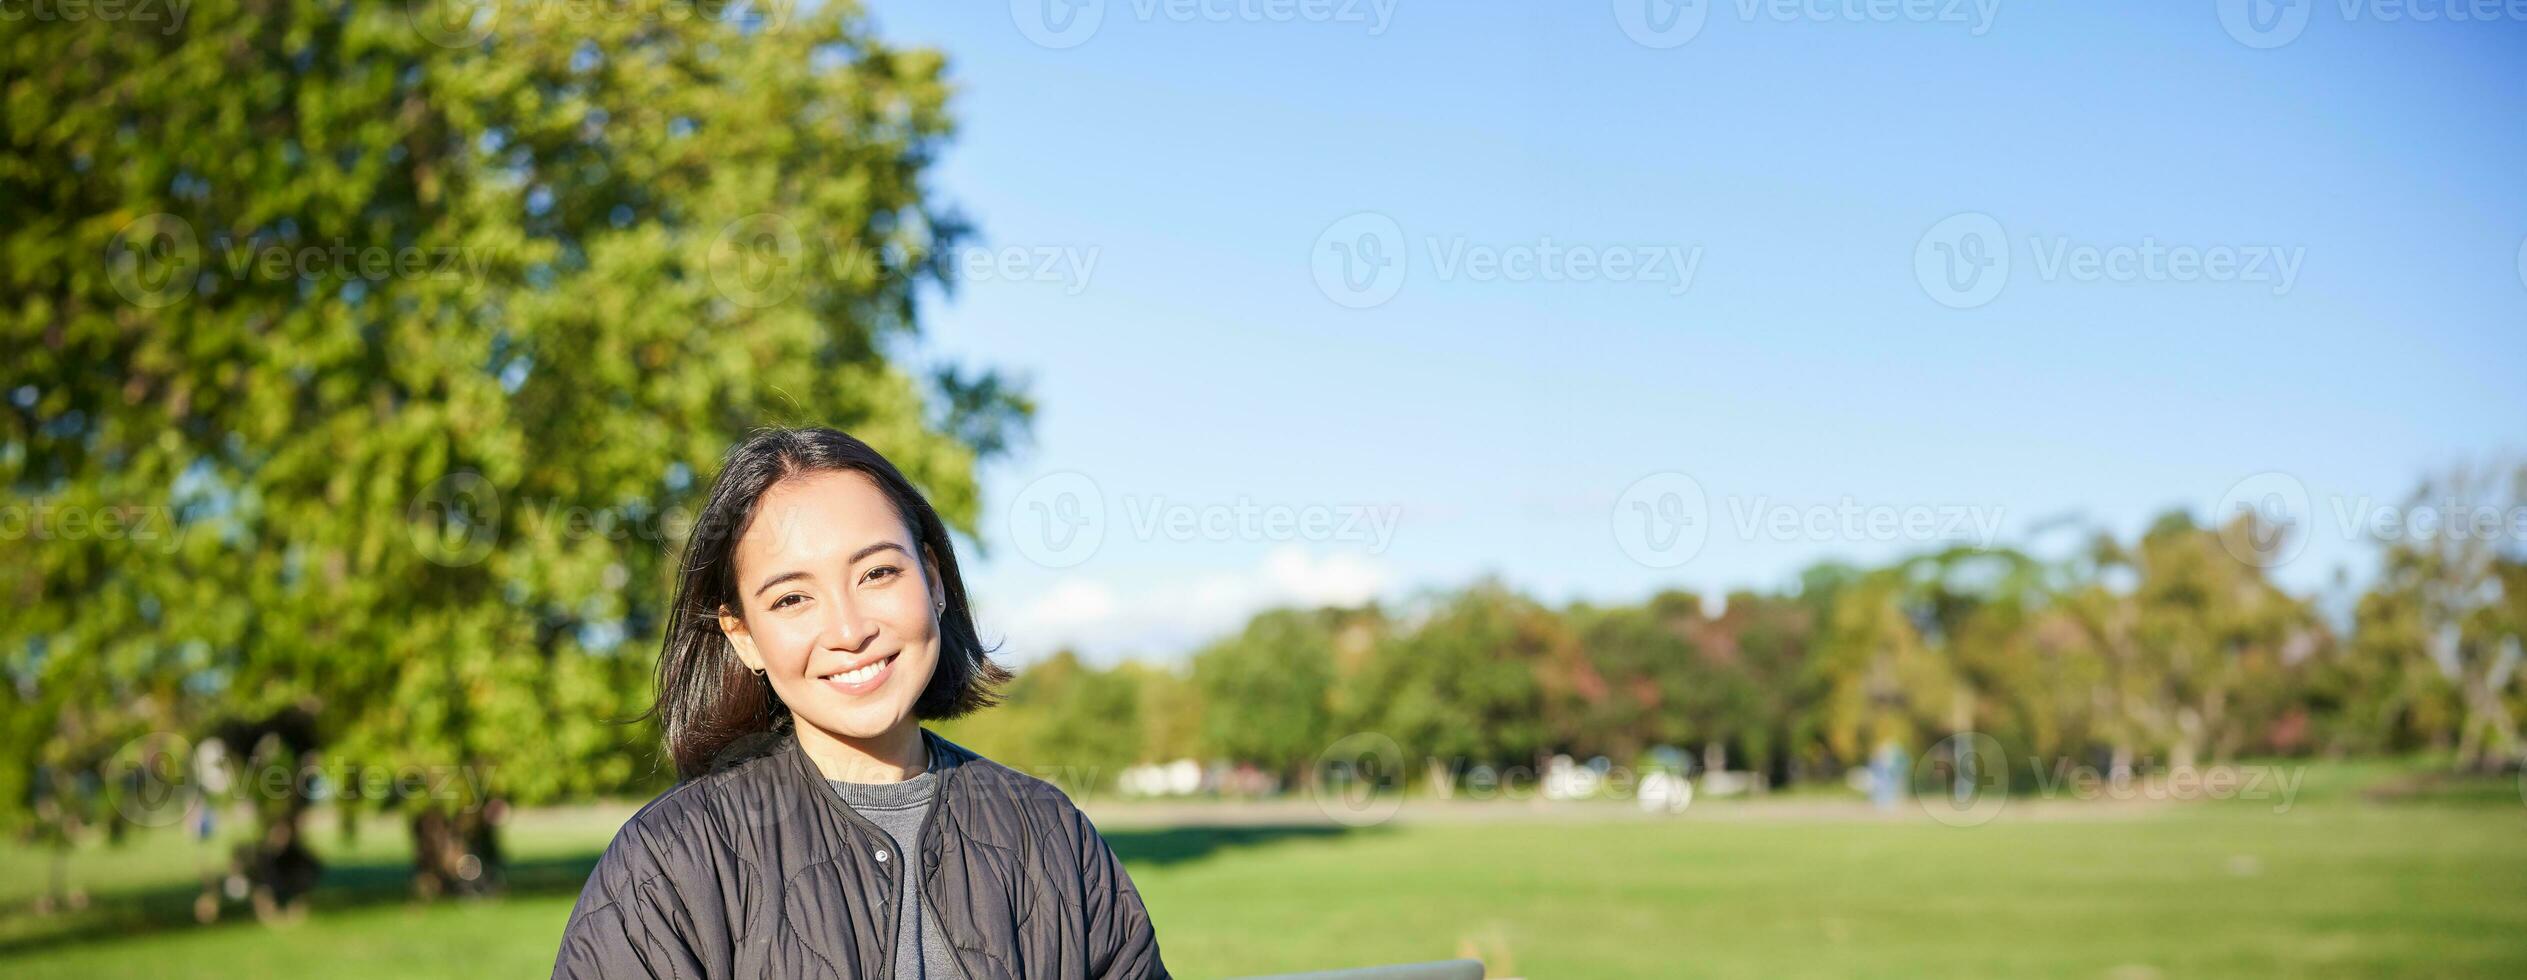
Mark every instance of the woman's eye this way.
pixel 881 573
pixel 787 600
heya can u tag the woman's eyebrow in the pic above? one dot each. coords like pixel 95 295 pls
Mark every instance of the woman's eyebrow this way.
pixel 874 549
pixel 856 556
pixel 778 579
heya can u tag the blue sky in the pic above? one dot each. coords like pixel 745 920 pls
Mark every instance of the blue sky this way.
pixel 2282 266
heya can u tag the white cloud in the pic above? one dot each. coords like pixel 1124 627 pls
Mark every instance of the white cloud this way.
pixel 1104 620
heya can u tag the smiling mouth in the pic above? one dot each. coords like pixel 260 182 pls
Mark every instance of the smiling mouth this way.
pixel 863 677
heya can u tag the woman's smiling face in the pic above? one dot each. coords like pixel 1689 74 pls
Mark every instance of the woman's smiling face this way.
pixel 839 605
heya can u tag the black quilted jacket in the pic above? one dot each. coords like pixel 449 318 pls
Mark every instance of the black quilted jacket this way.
pixel 760 870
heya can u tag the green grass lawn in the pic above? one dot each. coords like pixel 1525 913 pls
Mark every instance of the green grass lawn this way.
pixel 2371 873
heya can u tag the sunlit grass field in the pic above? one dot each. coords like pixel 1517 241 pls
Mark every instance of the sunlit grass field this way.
pixel 2374 871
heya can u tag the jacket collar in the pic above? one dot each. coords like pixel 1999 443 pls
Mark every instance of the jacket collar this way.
pixel 802 773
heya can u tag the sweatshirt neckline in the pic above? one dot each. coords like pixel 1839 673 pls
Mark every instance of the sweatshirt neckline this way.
pixel 910 791
pixel 945 758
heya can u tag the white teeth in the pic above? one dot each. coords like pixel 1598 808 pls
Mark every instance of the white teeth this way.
pixel 864 672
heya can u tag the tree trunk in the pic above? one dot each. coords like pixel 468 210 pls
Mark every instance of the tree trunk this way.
pixel 278 867
pixel 2489 741
pixel 59 895
pixel 456 853
pixel 2181 755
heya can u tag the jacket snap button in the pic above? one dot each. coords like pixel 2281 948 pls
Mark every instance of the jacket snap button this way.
pixel 881 855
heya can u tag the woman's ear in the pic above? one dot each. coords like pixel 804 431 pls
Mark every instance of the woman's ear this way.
pixel 740 639
pixel 930 577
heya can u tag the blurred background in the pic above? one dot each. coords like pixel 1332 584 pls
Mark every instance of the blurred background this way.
pixel 1745 488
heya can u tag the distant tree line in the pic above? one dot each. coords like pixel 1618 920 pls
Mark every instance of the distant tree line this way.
pixel 2175 648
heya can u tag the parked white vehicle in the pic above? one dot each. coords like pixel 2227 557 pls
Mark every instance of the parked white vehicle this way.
pixel 1666 792
pixel 1182 777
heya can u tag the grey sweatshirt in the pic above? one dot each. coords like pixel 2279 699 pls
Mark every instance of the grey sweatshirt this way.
pixel 921 952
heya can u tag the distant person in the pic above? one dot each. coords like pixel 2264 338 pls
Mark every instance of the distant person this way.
pixel 1889 769
pixel 817 829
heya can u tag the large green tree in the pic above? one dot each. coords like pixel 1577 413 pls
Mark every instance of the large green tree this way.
pixel 1465 686
pixel 2218 643
pixel 2440 634
pixel 1268 691
pixel 393 341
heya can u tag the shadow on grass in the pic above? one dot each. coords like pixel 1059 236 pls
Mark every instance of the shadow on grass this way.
pixel 358 885
pixel 348 886
pixel 1175 845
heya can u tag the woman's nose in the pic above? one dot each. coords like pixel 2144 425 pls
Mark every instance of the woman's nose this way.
pixel 845 628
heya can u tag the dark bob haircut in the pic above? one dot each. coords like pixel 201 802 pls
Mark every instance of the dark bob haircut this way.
pixel 715 709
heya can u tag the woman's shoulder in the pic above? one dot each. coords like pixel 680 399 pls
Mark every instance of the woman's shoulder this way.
pixel 1015 803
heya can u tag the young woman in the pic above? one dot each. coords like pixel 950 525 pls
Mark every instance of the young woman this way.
pixel 817 829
